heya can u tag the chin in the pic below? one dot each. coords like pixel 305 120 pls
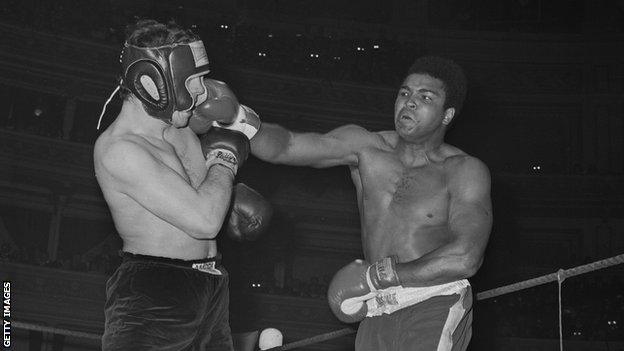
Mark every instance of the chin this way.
pixel 410 135
pixel 402 131
pixel 180 120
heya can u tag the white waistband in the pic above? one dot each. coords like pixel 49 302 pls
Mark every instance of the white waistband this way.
pixel 395 298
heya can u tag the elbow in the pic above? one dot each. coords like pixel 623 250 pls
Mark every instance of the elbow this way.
pixel 205 229
pixel 204 234
pixel 470 266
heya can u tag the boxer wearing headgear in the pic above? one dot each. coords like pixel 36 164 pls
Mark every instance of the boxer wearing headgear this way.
pixel 159 76
pixel 425 214
pixel 169 193
pixel 164 78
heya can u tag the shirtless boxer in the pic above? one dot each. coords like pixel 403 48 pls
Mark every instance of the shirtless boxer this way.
pixel 425 214
pixel 169 193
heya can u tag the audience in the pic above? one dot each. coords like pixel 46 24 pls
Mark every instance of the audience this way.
pixel 101 263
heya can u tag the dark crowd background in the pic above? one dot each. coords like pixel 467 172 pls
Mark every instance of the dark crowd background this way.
pixel 594 303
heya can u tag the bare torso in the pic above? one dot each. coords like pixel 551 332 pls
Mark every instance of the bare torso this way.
pixel 404 210
pixel 142 231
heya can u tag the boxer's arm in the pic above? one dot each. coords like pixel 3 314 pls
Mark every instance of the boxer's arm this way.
pixel 135 172
pixel 470 222
pixel 276 144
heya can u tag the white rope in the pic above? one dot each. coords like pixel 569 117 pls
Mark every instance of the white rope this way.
pixel 559 282
pixel 59 331
pixel 106 104
pixel 607 262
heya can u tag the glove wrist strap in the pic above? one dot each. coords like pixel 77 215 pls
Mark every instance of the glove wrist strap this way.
pixel 224 158
pixel 383 274
pixel 241 123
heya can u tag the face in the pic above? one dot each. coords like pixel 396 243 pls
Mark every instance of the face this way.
pixel 199 94
pixel 419 107
pixel 197 89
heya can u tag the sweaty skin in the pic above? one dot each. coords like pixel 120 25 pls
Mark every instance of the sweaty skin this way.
pixel 419 198
pixel 163 199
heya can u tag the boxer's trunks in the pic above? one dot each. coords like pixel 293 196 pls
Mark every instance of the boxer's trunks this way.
pixel 156 303
pixel 439 323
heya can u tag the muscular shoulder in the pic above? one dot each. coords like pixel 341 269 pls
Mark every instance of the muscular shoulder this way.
pixel 353 133
pixel 359 139
pixel 466 172
pixel 465 163
pixel 364 138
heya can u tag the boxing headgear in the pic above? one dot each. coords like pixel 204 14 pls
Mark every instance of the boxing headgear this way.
pixel 158 76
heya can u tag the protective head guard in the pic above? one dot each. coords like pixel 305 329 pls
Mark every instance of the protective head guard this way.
pixel 159 76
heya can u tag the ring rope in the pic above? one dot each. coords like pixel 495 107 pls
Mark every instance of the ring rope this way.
pixel 315 339
pixel 558 276
pixel 559 282
pixel 59 331
pixel 612 261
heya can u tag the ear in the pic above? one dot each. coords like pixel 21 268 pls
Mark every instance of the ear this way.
pixel 448 115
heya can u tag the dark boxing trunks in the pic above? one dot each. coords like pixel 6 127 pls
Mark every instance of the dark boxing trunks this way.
pixel 156 303
pixel 440 323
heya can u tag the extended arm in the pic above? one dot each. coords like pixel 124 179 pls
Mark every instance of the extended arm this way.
pixel 340 146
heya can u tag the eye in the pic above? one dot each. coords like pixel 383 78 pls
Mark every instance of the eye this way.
pixel 403 93
pixel 427 98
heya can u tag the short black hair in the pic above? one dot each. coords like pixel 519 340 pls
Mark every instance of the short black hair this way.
pixel 151 33
pixel 451 75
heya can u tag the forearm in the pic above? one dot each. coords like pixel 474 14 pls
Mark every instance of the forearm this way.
pixel 338 147
pixel 447 263
pixel 216 190
pixel 270 142
pixel 460 257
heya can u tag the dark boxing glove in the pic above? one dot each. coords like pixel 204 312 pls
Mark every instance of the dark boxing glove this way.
pixel 225 147
pixel 250 214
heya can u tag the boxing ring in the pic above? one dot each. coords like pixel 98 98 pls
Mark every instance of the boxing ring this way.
pixel 559 276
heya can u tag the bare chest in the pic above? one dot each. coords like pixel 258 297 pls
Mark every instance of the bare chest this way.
pixel 192 168
pixel 390 190
pixel 186 159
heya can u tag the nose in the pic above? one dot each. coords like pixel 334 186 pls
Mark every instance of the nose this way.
pixel 411 104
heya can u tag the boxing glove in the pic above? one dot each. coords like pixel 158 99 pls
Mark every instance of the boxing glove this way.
pixel 249 216
pixel 225 147
pixel 358 282
pixel 220 105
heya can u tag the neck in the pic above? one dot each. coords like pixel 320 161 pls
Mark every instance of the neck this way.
pixel 417 153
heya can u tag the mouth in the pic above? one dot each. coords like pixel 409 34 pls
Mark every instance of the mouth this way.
pixel 406 119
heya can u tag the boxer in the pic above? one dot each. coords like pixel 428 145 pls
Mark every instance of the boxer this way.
pixel 169 193
pixel 425 214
